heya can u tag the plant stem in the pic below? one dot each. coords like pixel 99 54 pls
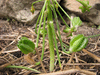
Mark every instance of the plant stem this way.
pixel 93 36
pixel 23 68
pixel 51 46
pixel 12 62
pixel 59 37
pixel 92 55
pixel 62 9
pixel 50 36
pixel 36 2
pixel 55 16
pixel 43 38
pixel 61 17
pixel 40 23
pixel 44 35
pixel 38 54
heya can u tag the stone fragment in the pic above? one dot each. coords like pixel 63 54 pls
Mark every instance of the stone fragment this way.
pixel 73 5
pixel 92 16
pixel 20 10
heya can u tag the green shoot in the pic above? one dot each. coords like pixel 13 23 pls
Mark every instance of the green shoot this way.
pixel 76 21
pixel 85 5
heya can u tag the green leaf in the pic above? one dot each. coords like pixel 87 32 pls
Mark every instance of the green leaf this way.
pixel 77 43
pixel 26 45
pixel 41 32
pixel 98 27
pixel 85 5
pixel 76 21
pixel 66 30
pixel 83 44
pixel 25 48
pixel 75 38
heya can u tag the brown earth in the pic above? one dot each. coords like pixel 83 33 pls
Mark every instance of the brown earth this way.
pixel 10 33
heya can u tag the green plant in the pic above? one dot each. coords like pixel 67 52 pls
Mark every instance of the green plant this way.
pixel 50 31
pixel 85 5
pixel 22 67
pixel 41 32
pixel 8 19
pixel 76 21
pixel 98 27
pixel 47 14
pixel 26 45
pixel 77 43
pixel 50 10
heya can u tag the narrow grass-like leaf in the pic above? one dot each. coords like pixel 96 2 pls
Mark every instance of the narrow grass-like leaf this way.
pixel 36 2
pixel 50 36
pixel 55 16
pixel 44 34
pixel 61 17
pixel 62 9
pixel 22 67
pixel 40 23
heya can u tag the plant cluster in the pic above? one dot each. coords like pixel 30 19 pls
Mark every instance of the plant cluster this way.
pixel 50 10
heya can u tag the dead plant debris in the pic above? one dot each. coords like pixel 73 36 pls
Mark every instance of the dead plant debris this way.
pixel 86 62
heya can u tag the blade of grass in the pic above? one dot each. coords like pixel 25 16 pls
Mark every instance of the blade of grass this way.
pixel 55 16
pixel 44 34
pixel 43 38
pixel 61 17
pixel 40 23
pixel 22 67
pixel 54 36
pixel 62 9
pixel 50 36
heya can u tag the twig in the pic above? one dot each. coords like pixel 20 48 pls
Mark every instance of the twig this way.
pixel 70 60
pixel 12 62
pixel 11 51
pixel 77 67
pixel 71 71
pixel 87 72
pixel 82 64
pixel 92 55
pixel 38 54
pixel 63 72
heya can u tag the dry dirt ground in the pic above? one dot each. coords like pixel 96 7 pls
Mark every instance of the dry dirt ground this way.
pixel 80 63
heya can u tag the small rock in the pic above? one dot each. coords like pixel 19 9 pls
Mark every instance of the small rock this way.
pixel 20 10
pixel 92 16
pixel 73 5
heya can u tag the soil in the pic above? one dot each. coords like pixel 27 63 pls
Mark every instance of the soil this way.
pixel 12 31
